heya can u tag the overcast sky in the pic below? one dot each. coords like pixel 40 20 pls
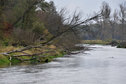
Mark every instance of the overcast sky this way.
pixel 86 7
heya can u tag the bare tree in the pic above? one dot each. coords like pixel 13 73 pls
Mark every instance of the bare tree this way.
pixel 105 11
pixel 114 24
pixel 122 15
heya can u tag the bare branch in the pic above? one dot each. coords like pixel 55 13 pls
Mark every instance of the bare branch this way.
pixel 105 10
pixel 35 54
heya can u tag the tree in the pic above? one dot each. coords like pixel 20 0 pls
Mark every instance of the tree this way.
pixel 114 25
pixel 105 11
pixel 122 15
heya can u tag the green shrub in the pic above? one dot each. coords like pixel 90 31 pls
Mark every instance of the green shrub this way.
pixel 38 28
pixel 4 60
pixel 121 45
pixel 5 42
pixel 15 61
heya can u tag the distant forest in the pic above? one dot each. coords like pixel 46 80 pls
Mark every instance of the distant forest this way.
pixel 111 26
pixel 31 22
pixel 27 22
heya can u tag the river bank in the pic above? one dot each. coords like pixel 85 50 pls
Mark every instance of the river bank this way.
pixel 118 43
pixel 37 55
pixel 101 42
pixel 47 53
pixel 103 64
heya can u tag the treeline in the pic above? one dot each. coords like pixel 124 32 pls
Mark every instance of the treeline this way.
pixel 110 26
pixel 32 22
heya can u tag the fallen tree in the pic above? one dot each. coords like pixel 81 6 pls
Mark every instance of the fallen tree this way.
pixel 49 41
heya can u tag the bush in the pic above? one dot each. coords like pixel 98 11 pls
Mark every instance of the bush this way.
pixel 38 28
pixel 4 61
pixel 6 42
pixel 122 45
pixel 23 37
pixel 114 43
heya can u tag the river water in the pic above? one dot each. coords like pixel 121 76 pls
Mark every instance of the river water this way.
pixel 101 65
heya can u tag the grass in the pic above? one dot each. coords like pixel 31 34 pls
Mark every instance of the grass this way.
pixel 50 56
pixel 95 42
pixel 4 60
pixel 7 48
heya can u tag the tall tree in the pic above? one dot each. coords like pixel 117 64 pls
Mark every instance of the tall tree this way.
pixel 105 11
pixel 122 15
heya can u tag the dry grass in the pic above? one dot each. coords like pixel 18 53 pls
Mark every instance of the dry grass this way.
pixel 95 42
pixel 56 52
pixel 7 49
pixel 31 51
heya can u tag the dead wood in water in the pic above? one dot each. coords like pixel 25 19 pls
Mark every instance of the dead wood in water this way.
pixel 47 42
pixel 35 54
pixel 20 50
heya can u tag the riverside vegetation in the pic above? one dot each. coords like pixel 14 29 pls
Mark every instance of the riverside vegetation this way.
pixel 34 31
pixel 45 54
pixel 117 43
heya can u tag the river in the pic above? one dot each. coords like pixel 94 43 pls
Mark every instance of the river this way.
pixel 100 65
